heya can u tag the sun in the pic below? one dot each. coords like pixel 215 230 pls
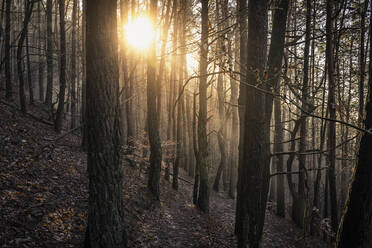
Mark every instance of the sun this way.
pixel 139 33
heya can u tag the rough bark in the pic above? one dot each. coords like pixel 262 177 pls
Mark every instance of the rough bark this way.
pixel 58 123
pixel 254 148
pixel 278 147
pixel 204 190
pixel 274 65
pixel 8 81
pixel 105 215
pixel 73 64
pixel 242 20
pixel 153 116
pixel 41 55
pixel 332 115
pixel 49 53
pixel 363 11
pixel 22 95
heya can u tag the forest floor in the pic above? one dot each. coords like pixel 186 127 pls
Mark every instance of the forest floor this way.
pixel 44 197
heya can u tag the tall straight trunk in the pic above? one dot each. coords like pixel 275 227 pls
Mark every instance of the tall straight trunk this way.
pixel 190 137
pixel 49 53
pixel 243 31
pixel 300 207
pixel 73 64
pixel 254 158
pixel 278 147
pixel 172 89
pixel 22 96
pixel 356 226
pixel 274 64
pixel 204 191
pixel 221 133
pixel 344 174
pixel 8 81
pixel 332 115
pixel 29 73
pixel 153 116
pixel 234 123
pixel 62 70
pixel 41 55
pixel 179 135
pixel 363 11
pixel 84 138
pixel 164 40
pixel 196 153
pixel 105 214
pixel 127 82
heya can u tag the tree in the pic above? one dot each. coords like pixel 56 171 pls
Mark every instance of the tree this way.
pixel 332 114
pixel 41 56
pixel 355 227
pixel 153 116
pixel 58 123
pixel 29 4
pixel 8 82
pixel 73 64
pixel 363 11
pixel 204 190
pixel 49 53
pixel 254 148
pixel 274 65
pixel 105 215
pixel 221 133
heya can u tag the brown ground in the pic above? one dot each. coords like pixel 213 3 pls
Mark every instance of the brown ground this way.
pixel 43 198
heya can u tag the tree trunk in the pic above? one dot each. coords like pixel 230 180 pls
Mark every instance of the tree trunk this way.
pixel 204 191
pixel 275 58
pixel 105 215
pixel 29 73
pixel 8 81
pixel 41 55
pixel 254 149
pixel 234 125
pixel 278 147
pixel 332 115
pixel 62 69
pixel 73 64
pixel 22 96
pixel 153 116
pixel 243 31
pixel 196 152
pixel 179 133
pixel 49 53
pixel 363 11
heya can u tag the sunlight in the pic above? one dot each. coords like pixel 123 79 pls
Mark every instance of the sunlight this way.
pixel 140 33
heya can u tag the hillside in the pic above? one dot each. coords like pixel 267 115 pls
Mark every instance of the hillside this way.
pixel 44 198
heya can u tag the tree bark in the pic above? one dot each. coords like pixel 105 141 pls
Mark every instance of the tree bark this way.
pixel 105 215
pixel 49 53
pixel 62 69
pixel 254 149
pixel 73 64
pixel 204 190
pixel 332 114
pixel 28 12
pixel 153 116
pixel 8 81
pixel 41 55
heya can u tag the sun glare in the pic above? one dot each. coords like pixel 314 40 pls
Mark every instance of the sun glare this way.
pixel 140 33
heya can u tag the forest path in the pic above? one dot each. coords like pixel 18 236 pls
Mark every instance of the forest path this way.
pixel 177 223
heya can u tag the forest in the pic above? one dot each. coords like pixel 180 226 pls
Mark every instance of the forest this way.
pixel 186 123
